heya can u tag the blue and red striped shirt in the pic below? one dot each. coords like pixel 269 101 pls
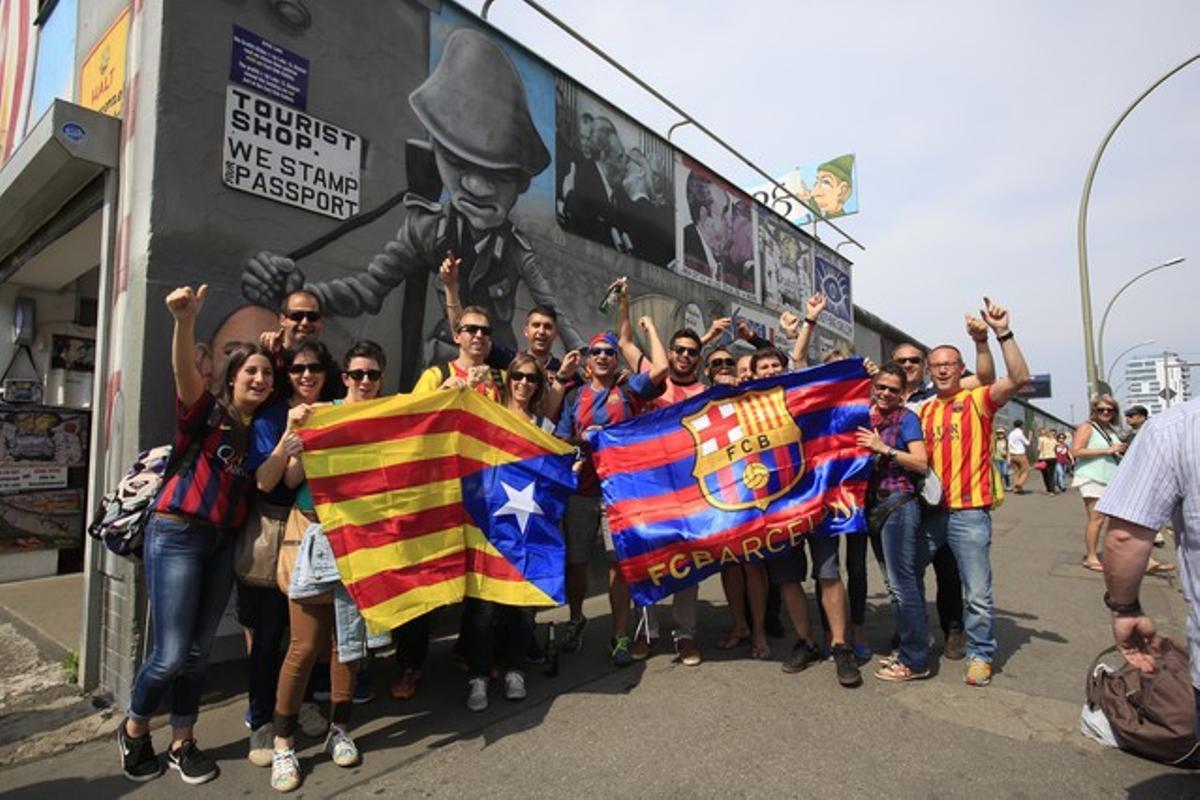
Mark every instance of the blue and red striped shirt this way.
pixel 215 487
pixel 589 406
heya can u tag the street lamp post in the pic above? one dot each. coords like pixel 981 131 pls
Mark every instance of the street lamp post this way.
pixel 1085 288
pixel 1115 361
pixel 1104 317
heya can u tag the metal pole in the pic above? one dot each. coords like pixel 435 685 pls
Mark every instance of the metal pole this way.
pixel 1085 289
pixel 1104 317
pixel 1112 366
pixel 579 37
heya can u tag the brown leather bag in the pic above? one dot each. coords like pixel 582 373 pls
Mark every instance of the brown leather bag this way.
pixel 256 551
pixel 1153 716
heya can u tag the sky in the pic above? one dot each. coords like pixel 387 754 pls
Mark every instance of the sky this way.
pixel 973 124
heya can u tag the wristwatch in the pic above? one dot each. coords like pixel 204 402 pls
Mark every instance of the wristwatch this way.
pixel 1004 337
pixel 1133 609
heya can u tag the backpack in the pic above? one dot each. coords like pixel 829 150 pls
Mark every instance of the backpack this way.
pixel 1153 716
pixel 120 521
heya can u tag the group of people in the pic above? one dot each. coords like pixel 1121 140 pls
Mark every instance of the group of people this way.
pixel 1050 452
pixel 929 423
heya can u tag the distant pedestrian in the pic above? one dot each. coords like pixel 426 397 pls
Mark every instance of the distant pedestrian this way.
pixel 1018 445
pixel 1046 460
pixel 1000 456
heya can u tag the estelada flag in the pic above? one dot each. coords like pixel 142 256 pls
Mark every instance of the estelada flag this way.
pixel 427 499
pixel 735 474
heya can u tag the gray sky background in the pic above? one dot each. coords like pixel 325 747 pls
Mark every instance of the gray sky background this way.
pixel 973 124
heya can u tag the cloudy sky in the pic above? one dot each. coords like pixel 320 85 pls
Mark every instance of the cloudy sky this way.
pixel 974 125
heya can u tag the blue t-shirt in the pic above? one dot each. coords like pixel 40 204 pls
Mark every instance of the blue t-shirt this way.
pixel 588 406
pixel 266 432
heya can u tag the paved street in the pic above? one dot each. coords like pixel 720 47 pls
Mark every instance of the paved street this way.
pixel 731 727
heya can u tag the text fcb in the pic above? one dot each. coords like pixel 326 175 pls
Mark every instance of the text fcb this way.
pixel 748 449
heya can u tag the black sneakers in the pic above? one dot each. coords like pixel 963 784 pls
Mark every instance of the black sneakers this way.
pixel 194 767
pixel 847 668
pixel 138 761
pixel 803 656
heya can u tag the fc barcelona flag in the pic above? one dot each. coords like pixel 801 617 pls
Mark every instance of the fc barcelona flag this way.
pixel 427 499
pixel 735 474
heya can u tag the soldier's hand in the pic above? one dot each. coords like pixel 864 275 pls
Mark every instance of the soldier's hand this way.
pixel 790 324
pixel 448 271
pixel 185 304
pixel 816 304
pixel 977 329
pixel 995 315
pixel 269 277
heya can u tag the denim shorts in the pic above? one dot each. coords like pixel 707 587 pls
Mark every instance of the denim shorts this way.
pixel 792 567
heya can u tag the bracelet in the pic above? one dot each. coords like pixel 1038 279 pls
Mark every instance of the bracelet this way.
pixel 1133 609
pixel 808 321
pixel 1004 337
pixel 452 305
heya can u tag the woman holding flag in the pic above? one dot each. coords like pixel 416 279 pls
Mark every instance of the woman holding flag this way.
pixel 312 609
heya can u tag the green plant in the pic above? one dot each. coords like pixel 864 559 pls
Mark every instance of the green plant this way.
pixel 70 667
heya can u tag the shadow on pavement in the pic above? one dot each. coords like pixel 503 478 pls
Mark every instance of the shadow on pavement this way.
pixel 109 786
pixel 1012 636
pixel 1166 787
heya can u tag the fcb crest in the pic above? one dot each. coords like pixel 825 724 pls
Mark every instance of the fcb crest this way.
pixel 748 449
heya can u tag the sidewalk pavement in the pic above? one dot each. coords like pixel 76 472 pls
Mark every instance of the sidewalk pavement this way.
pixel 732 726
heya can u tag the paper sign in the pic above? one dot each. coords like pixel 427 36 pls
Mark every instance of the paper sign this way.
pixel 268 68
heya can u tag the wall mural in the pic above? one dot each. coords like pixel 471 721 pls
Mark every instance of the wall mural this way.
pixel 544 190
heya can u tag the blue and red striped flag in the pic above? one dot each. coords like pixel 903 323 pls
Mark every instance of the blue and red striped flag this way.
pixel 735 474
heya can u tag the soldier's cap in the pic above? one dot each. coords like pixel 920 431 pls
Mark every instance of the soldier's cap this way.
pixel 474 105
pixel 1132 410
pixel 842 167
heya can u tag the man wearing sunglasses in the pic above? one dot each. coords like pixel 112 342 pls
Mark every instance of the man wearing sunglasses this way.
pixel 300 321
pixel 473 335
pixel 599 402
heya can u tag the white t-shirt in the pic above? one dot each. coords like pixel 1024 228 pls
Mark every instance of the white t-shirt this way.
pixel 1017 442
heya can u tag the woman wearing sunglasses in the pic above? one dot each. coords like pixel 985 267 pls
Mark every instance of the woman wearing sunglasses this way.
pixel 313 621
pixel 896 439
pixel 1097 450
pixel 263 610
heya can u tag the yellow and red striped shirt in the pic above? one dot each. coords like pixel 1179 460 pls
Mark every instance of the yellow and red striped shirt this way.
pixel 958 435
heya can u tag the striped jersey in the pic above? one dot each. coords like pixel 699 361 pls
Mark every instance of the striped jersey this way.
pixel 215 486
pixel 589 406
pixel 958 435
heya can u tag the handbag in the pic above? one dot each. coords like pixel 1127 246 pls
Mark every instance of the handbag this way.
pixel 289 553
pixel 256 550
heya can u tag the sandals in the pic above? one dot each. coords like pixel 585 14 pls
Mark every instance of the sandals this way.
pixel 1094 566
pixel 732 641
pixel 896 672
pixel 1159 568
pixel 760 653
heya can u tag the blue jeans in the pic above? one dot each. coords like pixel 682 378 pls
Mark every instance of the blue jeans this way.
pixel 905 557
pixel 189 574
pixel 1002 466
pixel 1060 476
pixel 968 532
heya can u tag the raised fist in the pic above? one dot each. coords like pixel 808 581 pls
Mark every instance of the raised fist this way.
pixel 184 304
pixel 789 323
pixel 448 271
pixel 270 277
pixel 816 304
pixel 570 364
pixel 977 329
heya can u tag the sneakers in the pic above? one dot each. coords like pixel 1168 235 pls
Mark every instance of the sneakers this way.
pixel 956 645
pixel 803 656
pixel 641 648
pixel 193 765
pixel 689 655
pixel 138 761
pixel 847 668
pixel 312 721
pixel 862 652
pixel 477 699
pixel 285 771
pixel 979 672
pixel 262 745
pixel 514 685
pixel 622 652
pixel 341 747
pixel 573 635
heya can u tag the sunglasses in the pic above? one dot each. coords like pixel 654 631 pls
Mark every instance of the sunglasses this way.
pixel 359 375
pixel 685 351
pixel 304 316
pixel 300 369
pixel 910 360
pixel 603 351
pixel 471 330
pixel 525 377
pixel 884 388
pixel 722 362
pixel 1103 410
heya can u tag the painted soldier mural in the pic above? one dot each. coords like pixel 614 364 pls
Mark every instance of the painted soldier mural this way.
pixel 486 151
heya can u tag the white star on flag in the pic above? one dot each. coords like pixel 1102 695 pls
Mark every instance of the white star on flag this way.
pixel 520 504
